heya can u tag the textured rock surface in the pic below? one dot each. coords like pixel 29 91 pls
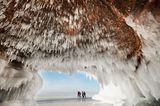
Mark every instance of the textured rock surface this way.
pixel 86 35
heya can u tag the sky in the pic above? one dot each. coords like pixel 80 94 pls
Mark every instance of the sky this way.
pixel 67 83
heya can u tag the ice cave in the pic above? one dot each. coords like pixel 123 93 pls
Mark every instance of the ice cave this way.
pixel 115 41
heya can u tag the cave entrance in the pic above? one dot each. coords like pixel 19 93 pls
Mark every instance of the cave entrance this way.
pixel 58 85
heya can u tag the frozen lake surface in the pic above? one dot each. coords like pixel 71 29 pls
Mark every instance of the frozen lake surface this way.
pixel 71 102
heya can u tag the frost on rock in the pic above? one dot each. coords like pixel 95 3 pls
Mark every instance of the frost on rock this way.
pixel 92 36
pixel 17 83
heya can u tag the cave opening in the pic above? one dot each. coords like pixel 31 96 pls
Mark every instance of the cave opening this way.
pixel 58 85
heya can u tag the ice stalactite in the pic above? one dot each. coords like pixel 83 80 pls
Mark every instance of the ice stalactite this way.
pixel 141 86
pixel 17 84
pixel 87 35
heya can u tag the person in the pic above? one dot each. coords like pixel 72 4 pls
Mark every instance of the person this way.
pixel 78 94
pixel 83 94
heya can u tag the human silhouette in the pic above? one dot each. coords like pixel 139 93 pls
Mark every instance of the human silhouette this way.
pixel 79 94
pixel 83 94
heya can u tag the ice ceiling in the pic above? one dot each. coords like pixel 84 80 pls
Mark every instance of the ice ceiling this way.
pixel 114 40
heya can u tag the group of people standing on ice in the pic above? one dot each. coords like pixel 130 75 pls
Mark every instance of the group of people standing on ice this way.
pixel 81 94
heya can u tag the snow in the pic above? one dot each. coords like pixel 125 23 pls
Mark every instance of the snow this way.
pixel 143 85
pixel 16 84
pixel 111 94
pixel 115 74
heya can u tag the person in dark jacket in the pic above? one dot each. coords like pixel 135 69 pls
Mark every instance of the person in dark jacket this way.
pixel 83 94
pixel 79 94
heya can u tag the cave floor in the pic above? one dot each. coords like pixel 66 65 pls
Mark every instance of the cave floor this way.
pixel 73 103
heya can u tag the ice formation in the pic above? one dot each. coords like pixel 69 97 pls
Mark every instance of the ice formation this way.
pixel 109 40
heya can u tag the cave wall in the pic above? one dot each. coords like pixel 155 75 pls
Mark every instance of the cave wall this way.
pixel 93 36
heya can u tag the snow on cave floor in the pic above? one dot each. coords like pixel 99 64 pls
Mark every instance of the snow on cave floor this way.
pixel 77 102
